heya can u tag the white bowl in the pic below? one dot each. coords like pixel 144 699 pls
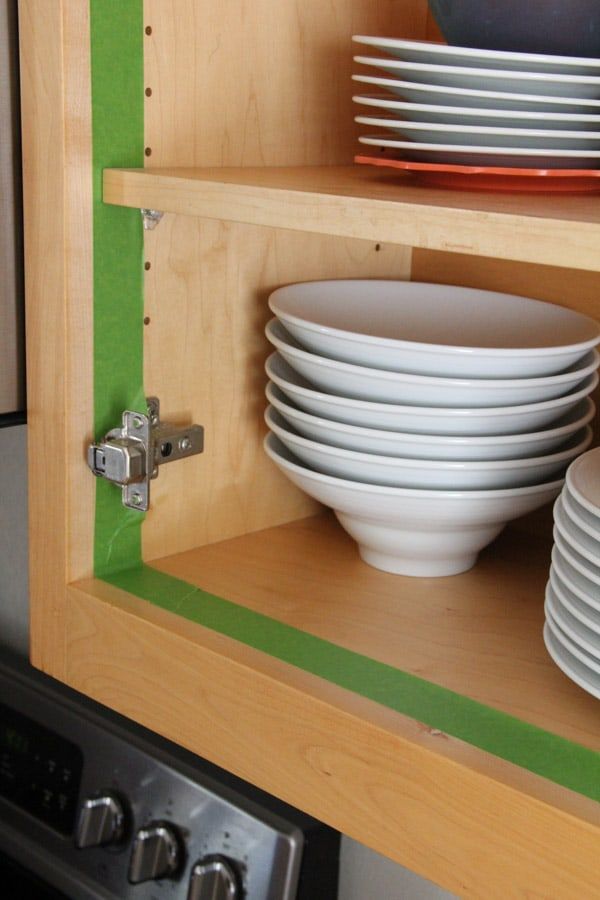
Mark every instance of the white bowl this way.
pixel 419 92
pixel 465 115
pixel 583 480
pixel 502 420
pixel 381 385
pixel 574 557
pixel 574 580
pixel 431 446
pixel 578 608
pixel 588 546
pixel 573 628
pixel 572 634
pixel 585 520
pixel 427 474
pixel 434 329
pixel 546 84
pixel 414 532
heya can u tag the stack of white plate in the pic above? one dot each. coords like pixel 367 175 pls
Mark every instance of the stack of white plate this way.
pixel 427 416
pixel 572 629
pixel 464 106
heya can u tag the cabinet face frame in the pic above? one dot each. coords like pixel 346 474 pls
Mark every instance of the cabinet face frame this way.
pixel 405 790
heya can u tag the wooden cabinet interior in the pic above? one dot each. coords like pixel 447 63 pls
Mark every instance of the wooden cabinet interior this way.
pixel 268 85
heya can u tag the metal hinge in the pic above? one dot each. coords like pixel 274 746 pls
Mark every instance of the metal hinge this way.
pixel 130 456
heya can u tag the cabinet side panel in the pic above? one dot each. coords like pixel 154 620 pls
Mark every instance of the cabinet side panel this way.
pixel 205 348
pixel 260 83
pixel 56 174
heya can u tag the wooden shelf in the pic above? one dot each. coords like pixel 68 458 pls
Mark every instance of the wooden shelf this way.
pixel 378 775
pixel 349 201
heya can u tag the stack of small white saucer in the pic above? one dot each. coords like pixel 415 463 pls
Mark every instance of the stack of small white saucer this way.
pixel 427 416
pixel 572 629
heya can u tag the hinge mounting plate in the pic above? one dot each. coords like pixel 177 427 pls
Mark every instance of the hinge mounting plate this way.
pixel 130 456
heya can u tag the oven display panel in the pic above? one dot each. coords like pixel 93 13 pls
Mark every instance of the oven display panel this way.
pixel 40 771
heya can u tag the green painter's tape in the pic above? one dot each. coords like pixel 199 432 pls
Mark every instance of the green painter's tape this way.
pixel 118 140
pixel 546 754
pixel 117 88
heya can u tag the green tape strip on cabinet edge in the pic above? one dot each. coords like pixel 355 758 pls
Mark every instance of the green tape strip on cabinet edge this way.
pixel 117 34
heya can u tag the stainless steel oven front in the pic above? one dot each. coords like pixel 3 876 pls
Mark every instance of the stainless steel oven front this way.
pixel 92 806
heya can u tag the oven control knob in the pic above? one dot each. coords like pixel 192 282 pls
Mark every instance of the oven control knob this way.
pixel 101 821
pixel 157 852
pixel 214 878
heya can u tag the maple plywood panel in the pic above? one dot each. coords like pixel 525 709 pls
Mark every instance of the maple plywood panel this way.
pixel 260 83
pixel 206 298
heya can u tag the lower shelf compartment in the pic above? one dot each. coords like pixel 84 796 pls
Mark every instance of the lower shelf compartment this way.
pixel 284 658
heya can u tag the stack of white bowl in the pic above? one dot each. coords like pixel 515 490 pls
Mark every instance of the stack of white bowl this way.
pixel 469 106
pixel 427 416
pixel 572 629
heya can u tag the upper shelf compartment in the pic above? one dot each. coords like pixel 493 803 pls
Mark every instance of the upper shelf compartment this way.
pixel 350 202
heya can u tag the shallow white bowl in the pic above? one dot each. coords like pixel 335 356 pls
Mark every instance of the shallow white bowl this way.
pixel 574 557
pixel 583 480
pixel 465 115
pixel 582 610
pixel 571 633
pixel 574 581
pixel 572 667
pixel 433 329
pixel 427 474
pixel 588 546
pixel 495 99
pixel 554 84
pixel 414 532
pixel 430 446
pixel 503 420
pixel 484 135
pixel 585 520
pixel 380 385
pixel 573 628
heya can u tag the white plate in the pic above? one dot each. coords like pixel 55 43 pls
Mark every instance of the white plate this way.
pixel 448 54
pixel 477 135
pixel 414 532
pixel 584 481
pixel 582 611
pixel 382 386
pixel 586 521
pixel 423 474
pixel 573 668
pixel 433 329
pixel 573 581
pixel 547 84
pixel 471 155
pixel 589 547
pixel 579 635
pixel 433 93
pixel 574 558
pixel 464 115
pixel 424 446
pixel 422 420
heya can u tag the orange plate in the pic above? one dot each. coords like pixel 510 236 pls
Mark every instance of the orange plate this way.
pixel 493 178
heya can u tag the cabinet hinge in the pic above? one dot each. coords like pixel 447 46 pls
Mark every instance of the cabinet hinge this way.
pixel 131 455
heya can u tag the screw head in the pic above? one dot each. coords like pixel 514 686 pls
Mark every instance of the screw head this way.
pixel 138 422
pixel 185 443
pixel 136 499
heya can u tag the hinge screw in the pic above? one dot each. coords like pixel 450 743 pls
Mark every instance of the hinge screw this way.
pixel 136 499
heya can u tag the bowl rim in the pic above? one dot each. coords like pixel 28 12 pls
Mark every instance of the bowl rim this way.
pixel 416 493
pixel 428 465
pixel 591 360
pixel 273 391
pixel 277 298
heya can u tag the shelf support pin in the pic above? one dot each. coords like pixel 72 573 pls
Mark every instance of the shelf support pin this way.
pixel 151 218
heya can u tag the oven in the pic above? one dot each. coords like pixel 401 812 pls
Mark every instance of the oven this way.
pixel 93 807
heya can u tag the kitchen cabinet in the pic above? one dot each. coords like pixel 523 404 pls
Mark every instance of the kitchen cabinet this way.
pixel 421 717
